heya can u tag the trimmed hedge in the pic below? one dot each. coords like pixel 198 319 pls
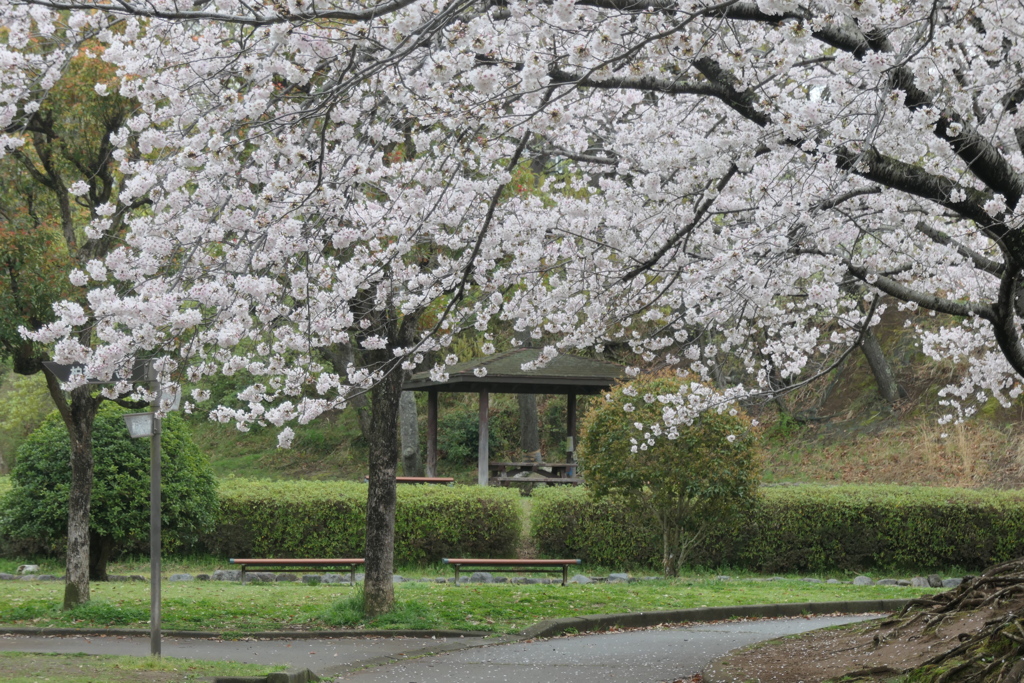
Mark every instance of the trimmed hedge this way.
pixel 802 529
pixel 328 519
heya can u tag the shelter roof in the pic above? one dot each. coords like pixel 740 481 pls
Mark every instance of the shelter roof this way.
pixel 564 374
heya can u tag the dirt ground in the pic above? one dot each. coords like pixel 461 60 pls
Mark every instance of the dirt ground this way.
pixel 872 650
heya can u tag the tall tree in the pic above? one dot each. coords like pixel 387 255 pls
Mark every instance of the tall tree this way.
pixel 59 176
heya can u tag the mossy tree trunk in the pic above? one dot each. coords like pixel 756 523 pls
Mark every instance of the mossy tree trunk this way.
pixel 78 410
pixel 378 588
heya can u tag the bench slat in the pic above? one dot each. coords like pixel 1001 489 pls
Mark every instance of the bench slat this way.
pixel 505 562
pixel 311 561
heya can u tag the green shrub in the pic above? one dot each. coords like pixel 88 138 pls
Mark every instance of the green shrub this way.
pixel 569 522
pixel 5 485
pixel 697 476
pixel 328 519
pixel 34 513
pixel 802 529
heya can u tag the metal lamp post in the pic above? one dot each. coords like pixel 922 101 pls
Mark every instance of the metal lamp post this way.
pixel 141 425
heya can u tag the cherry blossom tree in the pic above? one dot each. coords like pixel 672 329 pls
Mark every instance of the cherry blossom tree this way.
pixel 57 170
pixel 735 188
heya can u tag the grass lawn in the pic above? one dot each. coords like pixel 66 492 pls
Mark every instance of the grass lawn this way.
pixel 501 608
pixel 27 667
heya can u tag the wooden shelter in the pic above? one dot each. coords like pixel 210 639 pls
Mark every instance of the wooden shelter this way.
pixel 503 373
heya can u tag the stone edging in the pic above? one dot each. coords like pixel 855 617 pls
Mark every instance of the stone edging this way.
pixel 600 622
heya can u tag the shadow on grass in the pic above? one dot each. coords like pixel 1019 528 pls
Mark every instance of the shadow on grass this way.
pixel 349 612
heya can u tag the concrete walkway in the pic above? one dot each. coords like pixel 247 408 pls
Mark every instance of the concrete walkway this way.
pixel 627 657
pixel 317 654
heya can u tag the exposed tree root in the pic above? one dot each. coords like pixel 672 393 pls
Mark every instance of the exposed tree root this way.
pixel 993 653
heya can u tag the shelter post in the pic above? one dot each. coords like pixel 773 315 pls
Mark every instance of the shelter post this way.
pixel 570 445
pixel 482 456
pixel 432 433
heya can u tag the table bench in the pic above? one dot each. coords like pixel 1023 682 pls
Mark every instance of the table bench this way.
pixel 299 565
pixel 538 566
pixel 504 480
pixel 503 473
pixel 450 481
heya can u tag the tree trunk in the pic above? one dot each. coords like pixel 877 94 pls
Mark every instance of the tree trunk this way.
pixel 529 424
pixel 670 539
pixel 100 550
pixel 529 427
pixel 78 414
pixel 378 589
pixel 412 463
pixel 340 357
pixel 890 390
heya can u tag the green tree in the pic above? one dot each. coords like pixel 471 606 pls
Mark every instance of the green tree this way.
pixel 36 507
pixel 708 471
pixel 67 146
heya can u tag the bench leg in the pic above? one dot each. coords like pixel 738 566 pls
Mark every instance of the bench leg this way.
pixel 241 577
pixel 352 575
pixel 565 574
pixel 456 575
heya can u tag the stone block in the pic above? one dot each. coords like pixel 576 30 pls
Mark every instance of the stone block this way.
pixel 863 581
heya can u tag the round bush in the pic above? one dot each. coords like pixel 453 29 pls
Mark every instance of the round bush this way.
pixel 683 475
pixel 35 511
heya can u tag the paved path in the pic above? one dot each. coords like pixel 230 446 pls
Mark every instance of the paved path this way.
pixel 629 657
pixel 318 654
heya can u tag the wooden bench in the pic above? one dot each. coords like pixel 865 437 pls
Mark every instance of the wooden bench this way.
pixel 538 566
pixel 422 480
pixel 299 565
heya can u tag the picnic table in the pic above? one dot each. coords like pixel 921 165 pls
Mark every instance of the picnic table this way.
pixel 503 473
pixel 421 480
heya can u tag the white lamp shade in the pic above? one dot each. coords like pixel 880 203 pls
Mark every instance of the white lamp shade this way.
pixel 139 424
pixel 175 401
